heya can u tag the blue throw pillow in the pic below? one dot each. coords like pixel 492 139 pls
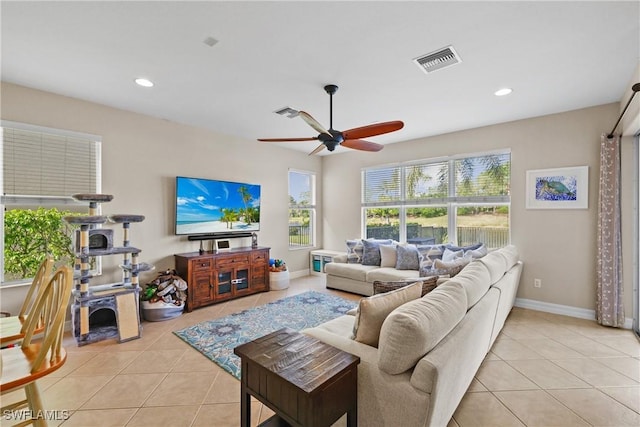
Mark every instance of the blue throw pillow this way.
pixel 371 253
pixel 407 258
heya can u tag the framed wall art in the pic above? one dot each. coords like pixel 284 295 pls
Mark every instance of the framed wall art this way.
pixel 560 188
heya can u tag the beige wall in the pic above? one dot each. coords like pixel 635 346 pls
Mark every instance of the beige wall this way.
pixel 557 246
pixel 141 157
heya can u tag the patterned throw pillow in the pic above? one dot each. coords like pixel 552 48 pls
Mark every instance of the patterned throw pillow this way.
pixel 407 258
pixel 371 253
pixel 429 253
pixel 451 268
pixel 448 255
pixel 432 251
pixel 428 284
pixel 354 251
pixel 477 253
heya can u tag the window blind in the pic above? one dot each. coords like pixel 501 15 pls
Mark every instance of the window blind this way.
pixel 426 182
pixel 487 175
pixel 473 179
pixel 44 165
pixel 382 186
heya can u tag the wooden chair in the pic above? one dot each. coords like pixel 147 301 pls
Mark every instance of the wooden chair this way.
pixel 12 328
pixel 22 366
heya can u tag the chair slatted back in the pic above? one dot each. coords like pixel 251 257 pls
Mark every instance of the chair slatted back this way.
pixel 41 277
pixel 51 305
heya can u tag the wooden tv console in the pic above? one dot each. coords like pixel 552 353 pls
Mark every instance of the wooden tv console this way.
pixel 223 275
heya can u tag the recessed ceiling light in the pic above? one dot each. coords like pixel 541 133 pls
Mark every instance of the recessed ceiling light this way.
pixel 144 82
pixel 503 91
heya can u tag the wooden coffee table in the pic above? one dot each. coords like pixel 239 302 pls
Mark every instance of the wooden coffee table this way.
pixel 303 380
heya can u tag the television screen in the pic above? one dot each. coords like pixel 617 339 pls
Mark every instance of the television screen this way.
pixel 205 206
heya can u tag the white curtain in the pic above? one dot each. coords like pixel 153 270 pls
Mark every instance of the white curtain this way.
pixel 609 305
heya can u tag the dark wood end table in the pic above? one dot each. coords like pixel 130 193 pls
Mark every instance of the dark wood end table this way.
pixel 303 380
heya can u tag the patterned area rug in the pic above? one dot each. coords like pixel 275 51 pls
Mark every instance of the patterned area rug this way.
pixel 217 338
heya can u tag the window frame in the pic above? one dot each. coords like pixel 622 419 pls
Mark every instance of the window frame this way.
pixel 42 200
pixel 452 202
pixel 311 207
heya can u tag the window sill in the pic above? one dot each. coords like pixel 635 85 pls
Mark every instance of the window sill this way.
pixel 302 248
pixel 15 285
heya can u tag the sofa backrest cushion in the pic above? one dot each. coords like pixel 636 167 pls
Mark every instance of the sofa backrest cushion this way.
pixel 510 254
pixel 413 329
pixel 475 280
pixel 373 310
pixel 496 264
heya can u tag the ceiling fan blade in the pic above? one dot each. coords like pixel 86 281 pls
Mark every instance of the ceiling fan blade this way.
pixel 314 138
pixel 372 130
pixel 318 149
pixel 359 144
pixel 314 123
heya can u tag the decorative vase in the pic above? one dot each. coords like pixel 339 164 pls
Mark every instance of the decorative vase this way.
pixel 278 280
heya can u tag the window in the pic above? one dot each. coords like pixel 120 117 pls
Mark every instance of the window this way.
pixel 302 209
pixel 462 199
pixel 41 169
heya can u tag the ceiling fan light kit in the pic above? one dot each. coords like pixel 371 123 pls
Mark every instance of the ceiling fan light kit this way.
pixel 331 138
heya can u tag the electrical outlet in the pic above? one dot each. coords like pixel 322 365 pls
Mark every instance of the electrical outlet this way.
pixel 537 283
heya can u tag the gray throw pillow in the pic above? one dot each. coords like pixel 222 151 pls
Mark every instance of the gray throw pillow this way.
pixel 407 258
pixel 371 253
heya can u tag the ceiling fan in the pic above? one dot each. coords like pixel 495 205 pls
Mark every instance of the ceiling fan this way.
pixel 331 138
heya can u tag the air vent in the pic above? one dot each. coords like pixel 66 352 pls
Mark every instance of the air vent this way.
pixel 210 41
pixel 438 60
pixel 288 111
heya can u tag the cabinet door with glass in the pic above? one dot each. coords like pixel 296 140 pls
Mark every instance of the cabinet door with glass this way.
pixel 232 277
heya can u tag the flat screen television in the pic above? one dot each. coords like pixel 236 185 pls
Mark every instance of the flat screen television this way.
pixel 209 207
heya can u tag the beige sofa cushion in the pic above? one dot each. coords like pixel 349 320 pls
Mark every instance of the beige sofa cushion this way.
pixel 475 280
pixel 510 253
pixel 412 330
pixel 386 274
pixel 349 271
pixel 374 309
pixel 496 264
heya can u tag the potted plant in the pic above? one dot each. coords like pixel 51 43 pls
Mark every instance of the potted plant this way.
pixel 278 274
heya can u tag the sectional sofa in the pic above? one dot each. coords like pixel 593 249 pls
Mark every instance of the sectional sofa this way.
pixel 357 277
pixel 429 348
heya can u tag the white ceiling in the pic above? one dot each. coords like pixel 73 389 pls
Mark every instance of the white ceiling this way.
pixel 557 56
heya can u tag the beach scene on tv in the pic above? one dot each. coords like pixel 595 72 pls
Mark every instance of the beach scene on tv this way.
pixel 209 206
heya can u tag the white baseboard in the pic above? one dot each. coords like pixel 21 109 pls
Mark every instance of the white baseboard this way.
pixel 299 273
pixel 565 310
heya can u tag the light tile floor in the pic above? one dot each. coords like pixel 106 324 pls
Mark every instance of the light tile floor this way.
pixel 544 370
